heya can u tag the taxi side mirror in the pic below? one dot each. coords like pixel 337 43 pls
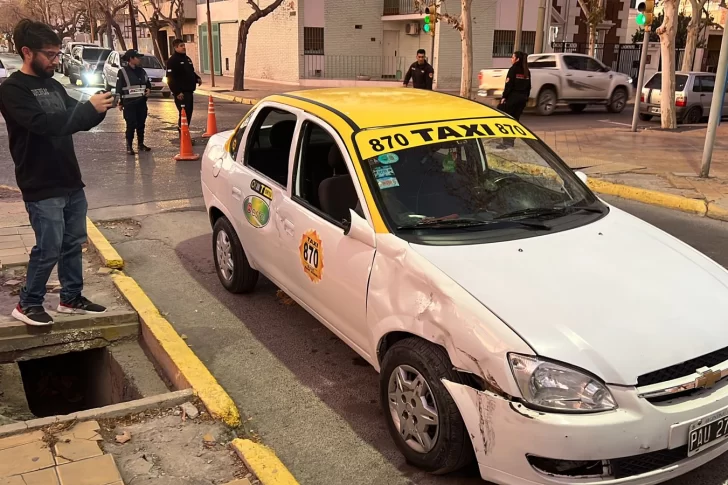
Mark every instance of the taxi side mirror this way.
pixel 360 230
pixel 582 176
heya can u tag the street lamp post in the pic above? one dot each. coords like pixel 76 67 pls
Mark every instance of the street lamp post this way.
pixel 209 46
pixel 716 106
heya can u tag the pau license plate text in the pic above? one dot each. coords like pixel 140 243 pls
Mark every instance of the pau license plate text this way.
pixel 656 110
pixel 707 435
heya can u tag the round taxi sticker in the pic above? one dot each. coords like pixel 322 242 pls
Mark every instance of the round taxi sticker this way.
pixel 312 255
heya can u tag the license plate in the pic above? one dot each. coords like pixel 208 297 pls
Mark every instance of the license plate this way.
pixel 656 110
pixel 707 432
pixel 159 85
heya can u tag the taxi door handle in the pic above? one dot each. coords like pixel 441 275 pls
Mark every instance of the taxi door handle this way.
pixel 237 193
pixel 288 227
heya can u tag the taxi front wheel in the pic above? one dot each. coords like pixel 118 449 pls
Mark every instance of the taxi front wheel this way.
pixel 231 264
pixel 422 417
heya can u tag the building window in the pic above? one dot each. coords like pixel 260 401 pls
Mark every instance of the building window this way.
pixel 189 38
pixel 632 3
pixel 313 41
pixel 504 42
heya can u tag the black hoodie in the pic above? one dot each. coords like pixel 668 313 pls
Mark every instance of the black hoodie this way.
pixel 41 118
pixel 181 75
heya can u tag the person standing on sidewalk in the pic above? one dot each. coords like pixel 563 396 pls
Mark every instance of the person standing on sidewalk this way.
pixel 134 86
pixel 421 73
pixel 41 118
pixel 182 80
pixel 517 90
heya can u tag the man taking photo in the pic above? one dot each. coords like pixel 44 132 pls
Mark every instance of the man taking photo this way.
pixel 41 119
pixel 182 80
pixel 421 73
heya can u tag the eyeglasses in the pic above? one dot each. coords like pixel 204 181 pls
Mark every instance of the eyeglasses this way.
pixel 50 55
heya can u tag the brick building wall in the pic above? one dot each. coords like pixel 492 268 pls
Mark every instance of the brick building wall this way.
pixel 448 58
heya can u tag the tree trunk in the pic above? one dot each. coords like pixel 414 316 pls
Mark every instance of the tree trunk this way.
pixel 154 32
pixel 691 42
pixel 667 32
pixel 466 36
pixel 592 39
pixel 92 23
pixel 239 79
pixel 178 30
pixel 110 34
pixel 119 35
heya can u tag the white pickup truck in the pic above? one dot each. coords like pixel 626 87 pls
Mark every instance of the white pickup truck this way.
pixel 574 79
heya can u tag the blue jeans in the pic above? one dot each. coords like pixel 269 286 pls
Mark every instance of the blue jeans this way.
pixel 59 224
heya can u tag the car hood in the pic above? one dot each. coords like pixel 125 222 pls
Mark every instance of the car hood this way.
pixel 617 297
pixel 153 72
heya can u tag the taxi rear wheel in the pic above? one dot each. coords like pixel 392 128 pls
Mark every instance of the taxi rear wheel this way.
pixel 233 268
pixel 422 417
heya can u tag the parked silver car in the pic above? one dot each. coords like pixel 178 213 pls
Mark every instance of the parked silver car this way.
pixel 154 69
pixel 693 96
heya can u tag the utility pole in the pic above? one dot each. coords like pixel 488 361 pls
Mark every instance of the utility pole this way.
pixel 209 45
pixel 641 77
pixel 538 45
pixel 519 26
pixel 132 19
pixel 716 106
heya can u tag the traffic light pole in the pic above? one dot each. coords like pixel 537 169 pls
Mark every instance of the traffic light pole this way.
pixel 519 26
pixel 716 106
pixel 641 77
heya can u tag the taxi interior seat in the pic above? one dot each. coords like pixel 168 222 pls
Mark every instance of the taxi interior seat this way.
pixel 273 161
pixel 337 193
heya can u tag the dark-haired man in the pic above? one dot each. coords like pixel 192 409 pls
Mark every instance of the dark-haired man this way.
pixel 421 73
pixel 41 119
pixel 182 80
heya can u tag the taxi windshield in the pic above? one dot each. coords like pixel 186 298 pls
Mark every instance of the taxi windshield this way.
pixel 480 182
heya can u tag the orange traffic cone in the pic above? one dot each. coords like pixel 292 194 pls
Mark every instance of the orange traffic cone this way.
pixel 211 119
pixel 185 142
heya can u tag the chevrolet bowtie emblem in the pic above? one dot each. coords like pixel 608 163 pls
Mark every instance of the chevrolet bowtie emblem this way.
pixel 708 377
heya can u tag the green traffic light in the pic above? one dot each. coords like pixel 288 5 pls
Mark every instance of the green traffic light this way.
pixel 427 19
pixel 641 19
pixel 427 27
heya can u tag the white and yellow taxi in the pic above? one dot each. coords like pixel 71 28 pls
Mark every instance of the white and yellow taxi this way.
pixel 514 317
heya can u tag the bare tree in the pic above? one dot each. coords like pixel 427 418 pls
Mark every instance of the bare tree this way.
pixel 243 31
pixel 594 13
pixel 110 9
pixel 667 32
pixel 464 25
pixel 63 16
pixel 175 16
pixel 694 28
pixel 154 25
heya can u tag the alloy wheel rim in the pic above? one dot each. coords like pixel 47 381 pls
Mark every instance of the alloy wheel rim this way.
pixel 547 103
pixel 224 255
pixel 413 408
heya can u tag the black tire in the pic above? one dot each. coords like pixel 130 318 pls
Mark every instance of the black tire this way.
pixel 453 449
pixel 244 278
pixel 645 117
pixel 693 116
pixel 577 108
pixel 167 95
pixel 546 102
pixel 618 100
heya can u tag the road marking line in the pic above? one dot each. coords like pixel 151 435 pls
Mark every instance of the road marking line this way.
pixel 615 123
pixel 263 462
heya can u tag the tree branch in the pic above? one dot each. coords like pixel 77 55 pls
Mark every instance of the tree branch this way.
pixel 258 13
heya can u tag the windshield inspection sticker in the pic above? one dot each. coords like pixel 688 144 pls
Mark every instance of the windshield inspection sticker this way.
pixel 388 159
pixel 262 189
pixel 388 182
pixel 257 211
pixel 312 255
pixel 382 141
pixel 382 172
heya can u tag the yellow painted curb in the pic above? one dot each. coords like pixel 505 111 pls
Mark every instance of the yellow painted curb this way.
pixel 189 366
pixel 717 212
pixel 670 201
pixel 263 462
pixel 107 253
pixel 228 97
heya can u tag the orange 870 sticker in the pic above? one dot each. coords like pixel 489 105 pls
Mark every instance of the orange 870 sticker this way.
pixel 311 251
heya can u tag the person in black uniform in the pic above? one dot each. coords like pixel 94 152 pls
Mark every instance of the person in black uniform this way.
pixel 182 80
pixel 517 90
pixel 421 73
pixel 133 86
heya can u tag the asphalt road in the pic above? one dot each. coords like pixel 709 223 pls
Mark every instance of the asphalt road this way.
pixel 309 396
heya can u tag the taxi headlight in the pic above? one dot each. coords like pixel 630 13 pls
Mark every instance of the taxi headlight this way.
pixel 164 80
pixel 555 387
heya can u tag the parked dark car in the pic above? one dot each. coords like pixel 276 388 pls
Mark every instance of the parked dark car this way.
pixel 87 64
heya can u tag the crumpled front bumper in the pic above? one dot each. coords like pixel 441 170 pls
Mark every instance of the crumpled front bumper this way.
pixel 504 433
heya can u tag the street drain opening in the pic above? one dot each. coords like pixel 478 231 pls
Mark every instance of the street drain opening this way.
pixel 73 382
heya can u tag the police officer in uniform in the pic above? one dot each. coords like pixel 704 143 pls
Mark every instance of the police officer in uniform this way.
pixel 133 85
pixel 421 73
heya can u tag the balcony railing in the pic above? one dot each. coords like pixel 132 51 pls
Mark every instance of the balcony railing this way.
pixel 363 68
pixel 399 7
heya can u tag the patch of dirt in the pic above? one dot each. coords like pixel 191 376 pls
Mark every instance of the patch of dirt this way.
pixel 168 447
pixel 127 227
